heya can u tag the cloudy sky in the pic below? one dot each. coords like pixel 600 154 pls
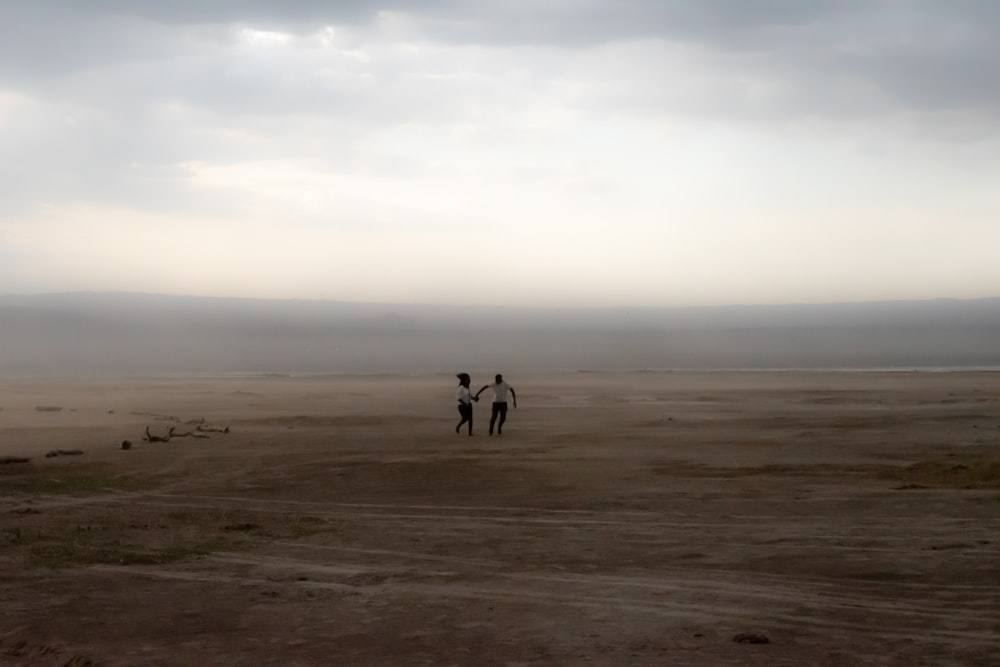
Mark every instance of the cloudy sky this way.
pixel 502 152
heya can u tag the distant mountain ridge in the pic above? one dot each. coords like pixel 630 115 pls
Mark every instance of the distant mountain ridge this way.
pixel 97 332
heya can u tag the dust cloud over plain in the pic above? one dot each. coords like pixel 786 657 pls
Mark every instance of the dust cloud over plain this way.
pixel 140 334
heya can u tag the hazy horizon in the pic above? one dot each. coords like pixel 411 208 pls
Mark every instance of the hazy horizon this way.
pixel 471 305
pixel 647 153
pixel 130 333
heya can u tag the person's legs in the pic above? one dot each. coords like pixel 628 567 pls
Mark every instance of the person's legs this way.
pixel 503 416
pixel 493 416
pixel 466 413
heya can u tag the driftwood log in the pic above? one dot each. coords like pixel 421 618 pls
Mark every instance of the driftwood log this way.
pixel 211 429
pixel 159 438
pixel 200 431
pixel 63 452
pixel 188 434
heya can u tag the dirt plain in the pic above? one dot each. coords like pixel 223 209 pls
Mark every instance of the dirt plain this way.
pixel 622 519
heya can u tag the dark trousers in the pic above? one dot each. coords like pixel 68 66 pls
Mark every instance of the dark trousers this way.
pixel 465 410
pixel 499 410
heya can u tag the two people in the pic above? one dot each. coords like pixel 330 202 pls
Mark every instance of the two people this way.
pixel 465 398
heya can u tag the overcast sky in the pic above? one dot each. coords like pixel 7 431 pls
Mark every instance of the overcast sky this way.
pixel 507 152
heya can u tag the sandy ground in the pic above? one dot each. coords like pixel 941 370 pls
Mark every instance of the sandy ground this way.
pixel 621 519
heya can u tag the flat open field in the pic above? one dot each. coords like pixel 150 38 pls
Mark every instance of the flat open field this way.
pixel 622 519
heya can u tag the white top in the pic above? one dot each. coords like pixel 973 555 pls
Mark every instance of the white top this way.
pixel 463 395
pixel 499 391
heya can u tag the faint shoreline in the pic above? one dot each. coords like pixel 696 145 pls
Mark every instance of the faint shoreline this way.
pixel 319 375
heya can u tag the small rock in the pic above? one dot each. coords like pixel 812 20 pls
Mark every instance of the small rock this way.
pixel 751 638
pixel 243 527
pixel 126 444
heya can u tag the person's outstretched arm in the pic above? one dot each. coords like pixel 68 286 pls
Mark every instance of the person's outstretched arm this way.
pixel 513 396
pixel 485 387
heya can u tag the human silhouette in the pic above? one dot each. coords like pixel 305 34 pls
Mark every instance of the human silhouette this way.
pixel 465 398
pixel 500 390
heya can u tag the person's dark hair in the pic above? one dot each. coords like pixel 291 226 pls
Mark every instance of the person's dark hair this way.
pixel 463 377
pixel 499 378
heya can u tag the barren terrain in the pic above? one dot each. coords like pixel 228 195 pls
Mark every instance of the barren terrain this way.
pixel 622 519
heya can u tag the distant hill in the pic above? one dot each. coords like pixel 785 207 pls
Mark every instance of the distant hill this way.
pixel 125 333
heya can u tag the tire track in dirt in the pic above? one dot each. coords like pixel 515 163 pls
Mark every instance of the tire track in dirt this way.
pixel 517 511
pixel 730 602
pixel 641 533
pixel 516 514
pixel 712 577
pixel 776 588
pixel 640 528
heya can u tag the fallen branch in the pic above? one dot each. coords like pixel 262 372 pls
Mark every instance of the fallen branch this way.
pixel 13 459
pixel 211 429
pixel 158 438
pixel 63 452
pixel 190 434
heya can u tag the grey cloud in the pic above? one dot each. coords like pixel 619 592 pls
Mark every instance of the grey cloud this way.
pixel 65 35
pixel 930 65
pixel 283 14
pixel 54 37
pixel 921 53
pixel 724 23
pixel 123 60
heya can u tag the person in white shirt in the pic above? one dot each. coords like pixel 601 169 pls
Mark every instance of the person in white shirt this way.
pixel 500 390
pixel 465 399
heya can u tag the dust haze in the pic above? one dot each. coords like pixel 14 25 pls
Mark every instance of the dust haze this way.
pixel 137 334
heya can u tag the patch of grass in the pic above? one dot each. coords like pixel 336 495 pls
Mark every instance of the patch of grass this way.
pixel 74 553
pixel 62 542
pixel 948 546
pixel 117 544
pixel 58 554
pixel 967 474
pixel 304 526
pixel 252 523
pixel 687 469
pixel 141 535
pixel 170 554
pixel 92 478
